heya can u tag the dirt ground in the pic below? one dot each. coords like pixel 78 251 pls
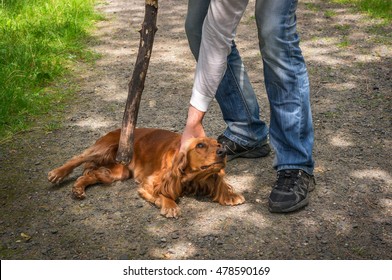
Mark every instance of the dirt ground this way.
pixel 349 59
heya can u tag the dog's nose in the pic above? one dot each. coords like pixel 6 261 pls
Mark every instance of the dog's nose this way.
pixel 221 152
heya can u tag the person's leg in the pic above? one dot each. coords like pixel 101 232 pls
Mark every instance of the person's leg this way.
pixel 235 94
pixel 287 85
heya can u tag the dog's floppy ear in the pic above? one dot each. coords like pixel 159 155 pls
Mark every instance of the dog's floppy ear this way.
pixel 171 179
pixel 179 164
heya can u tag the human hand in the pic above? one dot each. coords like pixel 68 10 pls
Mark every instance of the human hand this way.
pixel 194 127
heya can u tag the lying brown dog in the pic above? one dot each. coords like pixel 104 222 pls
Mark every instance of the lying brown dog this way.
pixel 163 172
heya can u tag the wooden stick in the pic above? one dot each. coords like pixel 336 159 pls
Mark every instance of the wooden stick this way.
pixel 136 85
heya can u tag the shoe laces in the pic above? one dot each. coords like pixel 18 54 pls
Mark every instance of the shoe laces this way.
pixel 287 179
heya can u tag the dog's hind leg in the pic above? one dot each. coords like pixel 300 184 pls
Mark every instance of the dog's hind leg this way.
pixel 57 175
pixel 104 175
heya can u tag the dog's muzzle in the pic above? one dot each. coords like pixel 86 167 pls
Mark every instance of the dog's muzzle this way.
pixel 221 152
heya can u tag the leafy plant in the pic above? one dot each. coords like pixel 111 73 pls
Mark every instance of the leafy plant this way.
pixel 39 42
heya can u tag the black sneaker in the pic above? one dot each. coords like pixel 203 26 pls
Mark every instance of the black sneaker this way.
pixel 291 191
pixel 235 150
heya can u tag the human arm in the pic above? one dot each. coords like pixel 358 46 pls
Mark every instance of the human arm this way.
pixel 218 33
pixel 217 36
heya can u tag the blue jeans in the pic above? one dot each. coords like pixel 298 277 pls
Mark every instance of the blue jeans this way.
pixel 286 81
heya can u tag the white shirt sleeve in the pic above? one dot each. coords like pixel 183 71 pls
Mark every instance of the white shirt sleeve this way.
pixel 219 30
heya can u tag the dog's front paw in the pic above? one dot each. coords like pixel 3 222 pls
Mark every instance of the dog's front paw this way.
pixel 169 207
pixel 57 175
pixel 78 192
pixel 171 212
pixel 232 199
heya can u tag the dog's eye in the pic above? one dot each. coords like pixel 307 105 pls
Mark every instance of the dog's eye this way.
pixel 200 145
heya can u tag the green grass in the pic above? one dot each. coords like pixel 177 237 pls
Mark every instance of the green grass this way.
pixel 329 14
pixel 39 42
pixel 376 8
pixel 312 6
pixel 344 43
